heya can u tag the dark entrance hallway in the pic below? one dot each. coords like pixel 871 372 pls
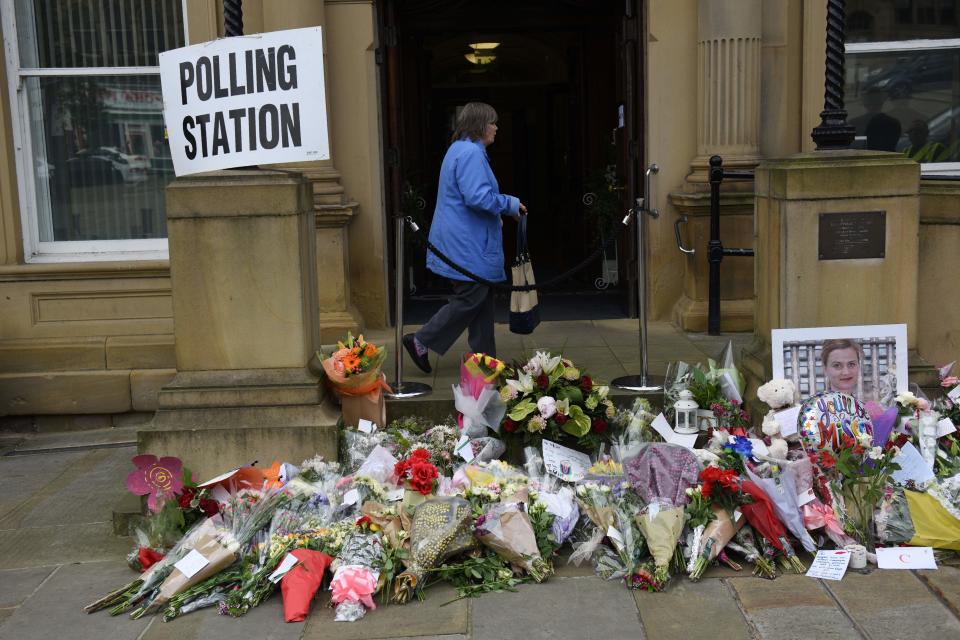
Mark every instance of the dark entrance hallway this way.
pixel 559 76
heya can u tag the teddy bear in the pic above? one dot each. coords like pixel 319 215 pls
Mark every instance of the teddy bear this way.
pixel 777 394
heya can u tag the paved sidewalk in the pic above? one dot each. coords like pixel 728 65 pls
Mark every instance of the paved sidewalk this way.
pixel 58 553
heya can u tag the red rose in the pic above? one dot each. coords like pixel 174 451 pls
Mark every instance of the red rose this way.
pixel 422 475
pixel 599 425
pixel 185 499
pixel 586 384
pixel 560 419
pixel 543 381
pixel 209 507
pixel 420 455
pixel 401 468
pixel 509 425
pixel 148 557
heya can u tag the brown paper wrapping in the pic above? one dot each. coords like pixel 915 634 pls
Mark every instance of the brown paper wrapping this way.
pixel 219 548
pixel 516 542
pixel 603 517
pixel 722 530
pixel 390 525
pixel 370 406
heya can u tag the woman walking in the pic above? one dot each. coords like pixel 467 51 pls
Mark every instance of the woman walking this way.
pixel 466 227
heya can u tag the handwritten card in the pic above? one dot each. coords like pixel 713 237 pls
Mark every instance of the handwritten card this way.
pixel 662 426
pixel 829 565
pixel 288 563
pixel 191 563
pixel 366 426
pixel 787 419
pixel 954 394
pixel 912 466
pixel 563 462
pixel 805 497
pixel 945 427
pixel 906 558
pixel 759 447
pixel 464 449
pixel 219 478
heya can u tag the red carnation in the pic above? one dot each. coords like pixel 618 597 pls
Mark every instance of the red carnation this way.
pixel 509 425
pixel 543 381
pixel 600 425
pixel 185 498
pixel 560 419
pixel 209 507
pixel 586 384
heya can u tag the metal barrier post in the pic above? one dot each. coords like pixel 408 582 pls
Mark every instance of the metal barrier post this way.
pixel 642 383
pixel 400 388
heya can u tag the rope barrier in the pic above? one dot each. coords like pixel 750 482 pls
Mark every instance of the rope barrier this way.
pixel 499 286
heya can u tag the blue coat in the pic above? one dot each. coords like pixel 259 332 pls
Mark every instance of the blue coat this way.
pixel 466 224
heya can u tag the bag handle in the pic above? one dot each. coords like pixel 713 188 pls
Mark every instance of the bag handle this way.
pixel 522 251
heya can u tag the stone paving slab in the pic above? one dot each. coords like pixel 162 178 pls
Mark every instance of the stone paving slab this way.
pixel 25 475
pixel 558 608
pixel 692 610
pixel 792 607
pixel 46 546
pixel 432 616
pixel 265 621
pixel 56 610
pixel 86 491
pixel 945 583
pixel 893 604
pixel 16 585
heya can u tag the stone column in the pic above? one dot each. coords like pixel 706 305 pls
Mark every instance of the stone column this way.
pixel 729 34
pixel 334 211
pixel 728 83
pixel 243 272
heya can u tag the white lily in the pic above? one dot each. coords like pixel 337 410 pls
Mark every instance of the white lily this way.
pixel 546 362
pixel 524 385
pixel 563 406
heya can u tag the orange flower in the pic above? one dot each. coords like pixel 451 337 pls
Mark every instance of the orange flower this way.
pixel 351 361
pixel 370 350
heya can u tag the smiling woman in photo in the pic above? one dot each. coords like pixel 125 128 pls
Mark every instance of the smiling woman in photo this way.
pixel 841 365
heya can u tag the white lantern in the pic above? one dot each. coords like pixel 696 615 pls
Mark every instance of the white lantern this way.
pixel 686 413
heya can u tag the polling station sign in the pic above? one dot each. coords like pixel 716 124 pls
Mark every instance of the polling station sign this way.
pixel 245 100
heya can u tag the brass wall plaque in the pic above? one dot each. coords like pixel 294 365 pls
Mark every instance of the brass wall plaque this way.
pixel 855 235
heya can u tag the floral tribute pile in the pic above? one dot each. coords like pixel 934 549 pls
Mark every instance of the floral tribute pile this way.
pixel 415 503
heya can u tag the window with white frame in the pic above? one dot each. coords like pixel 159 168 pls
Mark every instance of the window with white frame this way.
pixel 92 158
pixel 903 79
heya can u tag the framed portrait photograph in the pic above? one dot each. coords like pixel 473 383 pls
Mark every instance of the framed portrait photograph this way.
pixel 868 362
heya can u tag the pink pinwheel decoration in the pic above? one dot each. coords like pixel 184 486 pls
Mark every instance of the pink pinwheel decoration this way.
pixel 156 478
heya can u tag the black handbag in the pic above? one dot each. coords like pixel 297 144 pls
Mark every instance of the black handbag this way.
pixel 524 305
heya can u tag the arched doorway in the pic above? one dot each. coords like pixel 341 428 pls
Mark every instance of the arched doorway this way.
pixel 562 76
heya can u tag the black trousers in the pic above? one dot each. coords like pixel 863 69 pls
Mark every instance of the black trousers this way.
pixel 471 307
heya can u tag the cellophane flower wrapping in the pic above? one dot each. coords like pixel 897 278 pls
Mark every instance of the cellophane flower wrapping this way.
pixel 716 535
pixel 506 529
pixel 782 491
pixel 300 584
pixel 762 516
pixel 356 572
pixel 894 523
pixel 356 446
pixel 354 368
pixel 441 528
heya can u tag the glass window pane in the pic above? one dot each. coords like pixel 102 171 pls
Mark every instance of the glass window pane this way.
pixel 886 20
pixel 97 33
pixel 906 101
pixel 100 158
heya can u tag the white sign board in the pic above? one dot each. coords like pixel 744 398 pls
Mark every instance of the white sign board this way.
pixel 245 100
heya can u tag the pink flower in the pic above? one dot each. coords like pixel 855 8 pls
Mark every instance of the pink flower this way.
pixel 157 478
pixel 949 382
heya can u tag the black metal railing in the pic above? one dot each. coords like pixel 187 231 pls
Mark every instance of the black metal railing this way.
pixel 715 249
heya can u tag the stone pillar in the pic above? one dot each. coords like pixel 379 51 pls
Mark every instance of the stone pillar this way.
pixel 728 124
pixel 243 273
pixel 796 287
pixel 728 84
pixel 337 313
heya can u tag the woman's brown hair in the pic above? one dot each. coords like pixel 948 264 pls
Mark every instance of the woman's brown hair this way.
pixel 829 346
pixel 473 121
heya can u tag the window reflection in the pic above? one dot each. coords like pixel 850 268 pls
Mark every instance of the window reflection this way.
pixel 891 20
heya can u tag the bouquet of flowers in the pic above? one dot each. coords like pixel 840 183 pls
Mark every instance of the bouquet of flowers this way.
pixel 505 528
pixel 548 397
pixel 862 473
pixel 356 575
pixel 416 473
pixel 477 398
pixel 354 368
pixel 442 527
